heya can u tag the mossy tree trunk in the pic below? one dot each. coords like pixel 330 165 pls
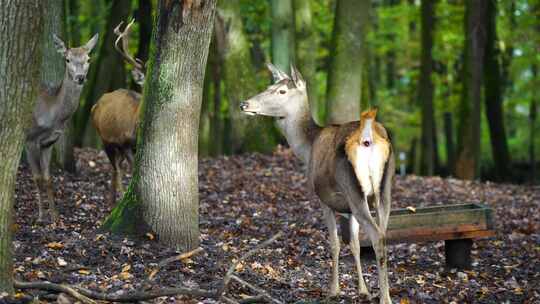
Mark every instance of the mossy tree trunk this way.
pixel 107 74
pixel 425 88
pixel 344 89
pixel 494 94
pixel 240 82
pixel 21 25
pixel 164 189
pixel 468 148
pixel 282 34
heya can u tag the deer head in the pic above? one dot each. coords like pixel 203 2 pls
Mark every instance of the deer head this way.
pixel 77 59
pixel 138 65
pixel 286 98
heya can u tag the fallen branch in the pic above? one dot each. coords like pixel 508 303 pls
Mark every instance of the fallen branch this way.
pixel 54 287
pixel 86 295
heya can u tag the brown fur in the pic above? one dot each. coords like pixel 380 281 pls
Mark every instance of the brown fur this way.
pixel 115 117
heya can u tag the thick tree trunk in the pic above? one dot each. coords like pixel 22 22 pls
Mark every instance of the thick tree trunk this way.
pixel 306 56
pixel 109 73
pixel 468 154
pixel 533 113
pixel 493 90
pixel 165 181
pixel 282 34
pixel 21 25
pixel 239 77
pixel 449 136
pixel 344 89
pixel 425 90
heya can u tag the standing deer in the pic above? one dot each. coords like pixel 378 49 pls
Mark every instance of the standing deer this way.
pixel 343 186
pixel 116 116
pixel 53 109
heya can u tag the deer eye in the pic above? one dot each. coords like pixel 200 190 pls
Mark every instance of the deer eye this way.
pixel 67 60
pixel 282 91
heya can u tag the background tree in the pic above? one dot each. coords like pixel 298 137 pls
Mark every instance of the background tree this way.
pixel 164 190
pixel 21 22
pixel 468 156
pixel 425 88
pixel 494 94
pixel 282 34
pixel 345 72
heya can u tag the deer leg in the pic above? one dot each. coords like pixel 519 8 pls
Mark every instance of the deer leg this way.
pixel 45 162
pixel 33 156
pixel 379 245
pixel 115 163
pixel 330 220
pixel 355 248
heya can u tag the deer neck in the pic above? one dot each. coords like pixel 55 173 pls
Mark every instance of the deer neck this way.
pixel 68 97
pixel 300 130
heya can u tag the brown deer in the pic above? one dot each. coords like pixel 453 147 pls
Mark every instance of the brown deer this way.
pixel 116 116
pixel 54 107
pixel 343 186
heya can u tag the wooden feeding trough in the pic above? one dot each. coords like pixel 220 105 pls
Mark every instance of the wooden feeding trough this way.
pixel 457 225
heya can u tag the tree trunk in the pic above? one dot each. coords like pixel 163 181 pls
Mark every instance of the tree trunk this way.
pixel 282 34
pixel 72 17
pixel 425 90
pixel 468 154
pixel 533 112
pixel 306 57
pixel 493 90
pixel 109 73
pixel 239 77
pixel 164 189
pixel 449 136
pixel 344 89
pixel 21 24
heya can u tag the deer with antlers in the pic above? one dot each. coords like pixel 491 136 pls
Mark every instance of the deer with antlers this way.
pixel 53 109
pixel 350 168
pixel 116 115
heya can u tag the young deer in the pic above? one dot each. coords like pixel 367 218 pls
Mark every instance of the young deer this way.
pixel 343 186
pixel 53 109
pixel 116 116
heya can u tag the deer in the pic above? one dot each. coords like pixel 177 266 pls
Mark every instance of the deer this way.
pixel 350 167
pixel 116 116
pixel 54 108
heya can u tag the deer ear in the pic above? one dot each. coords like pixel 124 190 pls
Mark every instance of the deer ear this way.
pixel 60 46
pixel 277 74
pixel 297 78
pixel 91 43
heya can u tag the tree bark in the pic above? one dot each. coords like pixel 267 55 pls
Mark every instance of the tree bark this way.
pixel 425 90
pixel 282 34
pixel 21 25
pixel 239 77
pixel 108 74
pixel 449 136
pixel 494 93
pixel 307 41
pixel 468 154
pixel 344 88
pixel 164 189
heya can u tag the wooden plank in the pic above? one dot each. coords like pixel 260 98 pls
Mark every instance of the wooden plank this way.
pixel 442 236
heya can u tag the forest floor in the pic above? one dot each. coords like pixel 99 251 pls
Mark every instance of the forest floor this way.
pixel 245 200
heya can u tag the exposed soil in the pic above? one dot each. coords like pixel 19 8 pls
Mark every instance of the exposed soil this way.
pixel 248 198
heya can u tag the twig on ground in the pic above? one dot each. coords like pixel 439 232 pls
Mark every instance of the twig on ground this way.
pixel 262 292
pixel 180 257
pixel 248 254
pixel 254 299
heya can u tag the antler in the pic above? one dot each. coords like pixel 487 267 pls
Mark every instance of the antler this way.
pixel 124 50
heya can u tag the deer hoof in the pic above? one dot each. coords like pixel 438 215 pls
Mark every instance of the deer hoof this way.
pixel 334 291
pixel 54 215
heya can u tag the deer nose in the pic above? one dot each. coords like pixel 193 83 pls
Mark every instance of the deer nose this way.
pixel 79 79
pixel 243 105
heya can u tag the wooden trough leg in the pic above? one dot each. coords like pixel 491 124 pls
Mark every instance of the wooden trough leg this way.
pixel 458 253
